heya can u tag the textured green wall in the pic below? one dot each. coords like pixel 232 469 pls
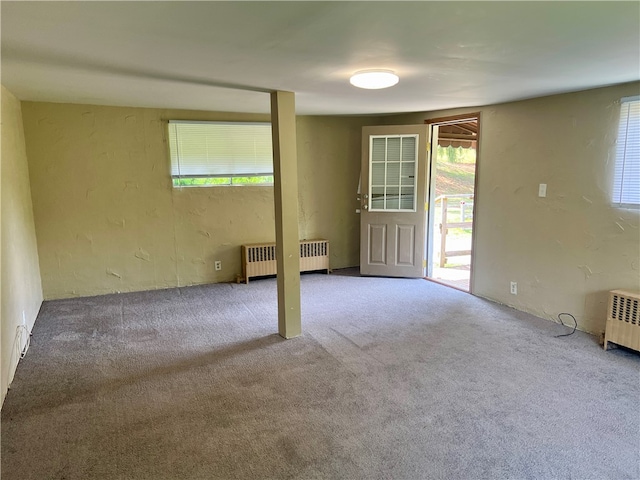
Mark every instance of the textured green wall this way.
pixel 108 219
pixel 21 292
pixel 567 250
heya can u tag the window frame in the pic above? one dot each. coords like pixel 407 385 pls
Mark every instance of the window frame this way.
pixel 385 186
pixel 179 179
pixel 627 143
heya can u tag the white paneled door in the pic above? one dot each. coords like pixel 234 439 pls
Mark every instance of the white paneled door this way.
pixel 394 195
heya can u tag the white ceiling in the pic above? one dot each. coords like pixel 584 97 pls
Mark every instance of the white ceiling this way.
pixel 188 54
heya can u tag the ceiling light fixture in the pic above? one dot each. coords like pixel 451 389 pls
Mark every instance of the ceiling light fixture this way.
pixel 374 79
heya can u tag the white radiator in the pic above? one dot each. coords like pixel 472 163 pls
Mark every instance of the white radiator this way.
pixel 623 319
pixel 259 259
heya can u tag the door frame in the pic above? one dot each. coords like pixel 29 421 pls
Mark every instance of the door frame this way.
pixel 453 119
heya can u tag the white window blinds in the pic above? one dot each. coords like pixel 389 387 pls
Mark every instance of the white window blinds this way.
pixel 392 177
pixel 626 182
pixel 220 149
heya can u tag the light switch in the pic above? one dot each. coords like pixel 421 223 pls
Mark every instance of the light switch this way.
pixel 542 190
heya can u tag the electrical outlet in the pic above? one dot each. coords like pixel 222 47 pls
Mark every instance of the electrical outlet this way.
pixel 218 265
pixel 514 288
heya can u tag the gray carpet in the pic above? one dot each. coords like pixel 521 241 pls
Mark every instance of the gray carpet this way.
pixel 393 378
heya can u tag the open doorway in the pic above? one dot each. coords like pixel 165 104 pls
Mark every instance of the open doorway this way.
pixel 454 147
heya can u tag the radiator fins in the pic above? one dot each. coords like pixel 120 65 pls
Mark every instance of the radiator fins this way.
pixel 260 259
pixel 623 319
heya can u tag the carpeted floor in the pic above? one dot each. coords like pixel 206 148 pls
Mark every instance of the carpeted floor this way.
pixel 392 378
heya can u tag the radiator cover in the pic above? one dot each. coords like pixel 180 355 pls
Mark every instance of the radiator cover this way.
pixel 623 319
pixel 259 259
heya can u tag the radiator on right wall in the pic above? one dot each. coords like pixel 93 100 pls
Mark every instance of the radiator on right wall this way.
pixel 623 319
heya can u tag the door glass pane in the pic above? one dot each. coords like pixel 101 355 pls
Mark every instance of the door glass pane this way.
pixel 393 149
pixel 408 172
pixel 377 174
pixel 378 149
pixel 393 198
pixel 406 199
pixel 377 198
pixel 393 173
pixel 408 149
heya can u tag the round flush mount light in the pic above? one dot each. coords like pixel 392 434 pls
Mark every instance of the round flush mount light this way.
pixel 374 79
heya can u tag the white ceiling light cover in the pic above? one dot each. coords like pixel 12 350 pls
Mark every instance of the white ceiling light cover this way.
pixel 374 79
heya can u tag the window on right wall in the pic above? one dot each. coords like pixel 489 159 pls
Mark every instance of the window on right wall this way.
pixel 626 181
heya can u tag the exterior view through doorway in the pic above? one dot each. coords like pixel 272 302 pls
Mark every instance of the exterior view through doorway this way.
pixel 452 201
pixel 417 194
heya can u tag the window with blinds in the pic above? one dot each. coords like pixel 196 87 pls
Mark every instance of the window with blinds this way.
pixel 220 153
pixel 626 181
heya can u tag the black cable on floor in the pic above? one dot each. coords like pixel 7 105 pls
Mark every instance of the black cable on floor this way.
pixel 575 324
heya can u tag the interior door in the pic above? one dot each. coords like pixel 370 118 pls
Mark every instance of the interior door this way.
pixel 393 195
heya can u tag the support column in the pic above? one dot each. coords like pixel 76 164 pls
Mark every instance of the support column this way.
pixel 285 173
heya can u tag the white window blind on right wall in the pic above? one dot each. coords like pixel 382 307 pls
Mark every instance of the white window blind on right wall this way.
pixel 626 182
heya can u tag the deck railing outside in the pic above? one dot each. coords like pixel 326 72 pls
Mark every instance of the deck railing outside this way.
pixel 456 211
